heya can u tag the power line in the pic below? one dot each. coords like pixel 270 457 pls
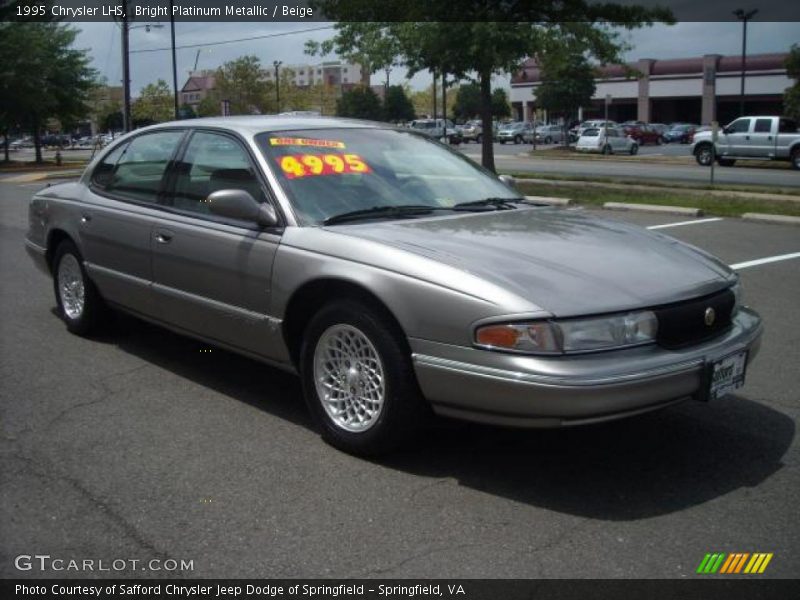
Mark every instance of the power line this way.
pixel 247 39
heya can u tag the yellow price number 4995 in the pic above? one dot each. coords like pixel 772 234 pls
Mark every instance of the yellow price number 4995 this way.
pixel 305 165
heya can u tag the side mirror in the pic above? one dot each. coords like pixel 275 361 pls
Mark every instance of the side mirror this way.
pixel 508 180
pixel 239 204
pixel 726 130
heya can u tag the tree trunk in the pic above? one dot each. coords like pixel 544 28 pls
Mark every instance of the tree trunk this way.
pixel 37 141
pixel 487 149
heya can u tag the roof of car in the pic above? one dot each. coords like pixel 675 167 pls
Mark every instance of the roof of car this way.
pixel 258 123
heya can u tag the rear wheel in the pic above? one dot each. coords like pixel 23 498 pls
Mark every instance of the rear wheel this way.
pixel 796 159
pixel 634 149
pixel 358 380
pixel 703 155
pixel 478 139
pixel 79 303
pixel 606 149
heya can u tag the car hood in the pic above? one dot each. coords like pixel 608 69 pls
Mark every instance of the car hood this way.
pixel 566 262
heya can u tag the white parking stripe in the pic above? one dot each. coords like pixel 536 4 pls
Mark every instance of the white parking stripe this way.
pixel 764 261
pixel 711 220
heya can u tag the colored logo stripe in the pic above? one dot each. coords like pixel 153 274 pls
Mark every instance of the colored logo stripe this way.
pixel 734 563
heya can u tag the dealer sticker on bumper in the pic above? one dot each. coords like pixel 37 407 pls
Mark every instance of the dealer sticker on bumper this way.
pixel 726 374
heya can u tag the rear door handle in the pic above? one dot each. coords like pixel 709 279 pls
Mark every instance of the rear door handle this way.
pixel 163 237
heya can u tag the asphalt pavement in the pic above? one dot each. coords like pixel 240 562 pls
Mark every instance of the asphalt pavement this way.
pixel 142 444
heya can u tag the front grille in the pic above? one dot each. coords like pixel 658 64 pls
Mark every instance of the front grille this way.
pixel 684 323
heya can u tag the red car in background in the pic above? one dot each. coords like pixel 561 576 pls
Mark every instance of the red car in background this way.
pixel 643 134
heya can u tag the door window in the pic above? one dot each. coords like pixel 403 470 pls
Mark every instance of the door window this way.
pixel 763 126
pixel 213 162
pixel 140 168
pixel 739 126
pixel 103 174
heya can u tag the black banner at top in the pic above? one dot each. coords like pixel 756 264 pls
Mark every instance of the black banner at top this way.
pixel 377 10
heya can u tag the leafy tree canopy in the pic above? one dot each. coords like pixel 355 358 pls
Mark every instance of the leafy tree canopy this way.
pixel 360 103
pixel 397 106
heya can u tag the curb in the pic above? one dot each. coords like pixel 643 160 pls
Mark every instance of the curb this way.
pixel 550 200
pixel 766 218
pixel 655 208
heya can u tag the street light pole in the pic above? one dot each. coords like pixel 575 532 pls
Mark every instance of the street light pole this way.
pixel 744 17
pixel 174 60
pixel 277 65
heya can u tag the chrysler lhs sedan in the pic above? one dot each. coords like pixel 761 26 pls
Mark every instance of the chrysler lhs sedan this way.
pixel 392 274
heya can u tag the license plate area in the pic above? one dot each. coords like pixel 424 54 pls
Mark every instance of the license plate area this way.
pixel 726 374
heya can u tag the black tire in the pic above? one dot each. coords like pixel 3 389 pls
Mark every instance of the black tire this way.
pixel 94 311
pixel 548 140
pixel 634 149
pixel 726 162
pixel 403 406
pixel 796 159
pixel 517 139
pixel 703 155
pixel 607 149
pixel 502 142
pixel 478 139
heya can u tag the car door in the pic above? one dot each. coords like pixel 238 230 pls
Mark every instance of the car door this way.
pixel 762 140
pixel 737 137
pixel 211 275
pixel 118 215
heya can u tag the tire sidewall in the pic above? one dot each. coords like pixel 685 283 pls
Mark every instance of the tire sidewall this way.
pixel 91 309
pixel 401 390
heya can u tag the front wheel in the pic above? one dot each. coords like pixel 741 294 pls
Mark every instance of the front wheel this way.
pixel 634 149
pixel 358 380
pixel 548 140
pixel 79 303
pixel 796 159
pixel 703 155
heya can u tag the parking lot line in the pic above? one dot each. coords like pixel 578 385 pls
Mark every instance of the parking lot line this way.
pixel 764 261
pixel 711 220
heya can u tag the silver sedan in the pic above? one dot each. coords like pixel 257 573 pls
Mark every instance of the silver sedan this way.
pixel 393 275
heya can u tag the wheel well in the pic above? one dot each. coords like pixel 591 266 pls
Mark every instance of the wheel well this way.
pixel 701 145
pixel 54 240
pixel 312 296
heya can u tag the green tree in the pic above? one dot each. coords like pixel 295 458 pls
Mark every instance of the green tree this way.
pixel 209 106
pixel 360 103
pixel 500 106
pixel 155 104
pixel 567 84
pixel 396 105
pixel 480 46
pixel 791 97
pixel 468 101
pixel 241 83
pixel 186 112
pixel 42 76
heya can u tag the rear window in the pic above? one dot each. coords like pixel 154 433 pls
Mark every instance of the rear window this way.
pixel 591 133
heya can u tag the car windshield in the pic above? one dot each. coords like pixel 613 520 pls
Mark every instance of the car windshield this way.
pixel 328 172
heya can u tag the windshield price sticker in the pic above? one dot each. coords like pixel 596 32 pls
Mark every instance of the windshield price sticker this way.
pixel 310 165
pixel 290 141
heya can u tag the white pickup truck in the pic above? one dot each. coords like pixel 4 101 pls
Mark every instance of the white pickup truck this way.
pixel 747 138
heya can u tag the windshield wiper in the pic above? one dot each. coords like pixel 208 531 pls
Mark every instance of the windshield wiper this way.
pixel 496 203
pixel 403 210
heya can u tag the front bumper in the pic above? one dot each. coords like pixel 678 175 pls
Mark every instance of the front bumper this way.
pixel 527 391
pixel 38 254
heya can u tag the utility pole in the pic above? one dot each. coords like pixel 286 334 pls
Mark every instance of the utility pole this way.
pixel 277 65
pixel 174 60
pixel 126 71
pixel 744 17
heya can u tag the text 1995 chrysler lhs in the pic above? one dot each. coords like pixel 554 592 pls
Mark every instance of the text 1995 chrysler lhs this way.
pixel 392 274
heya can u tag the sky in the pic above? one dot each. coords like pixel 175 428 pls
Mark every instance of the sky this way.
pixel 103 41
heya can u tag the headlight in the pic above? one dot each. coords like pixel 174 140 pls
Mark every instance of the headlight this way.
pixel 573 335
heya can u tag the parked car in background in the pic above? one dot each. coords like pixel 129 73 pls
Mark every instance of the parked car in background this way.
pixel 550 134
pixel 437 129
pixel 680 133
pixel 643 134
pixel 748 138
pixel 472 131
pixel 577 131
pixel 391 275
pixel 517 132
pixel 606 140
pixel 660 128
